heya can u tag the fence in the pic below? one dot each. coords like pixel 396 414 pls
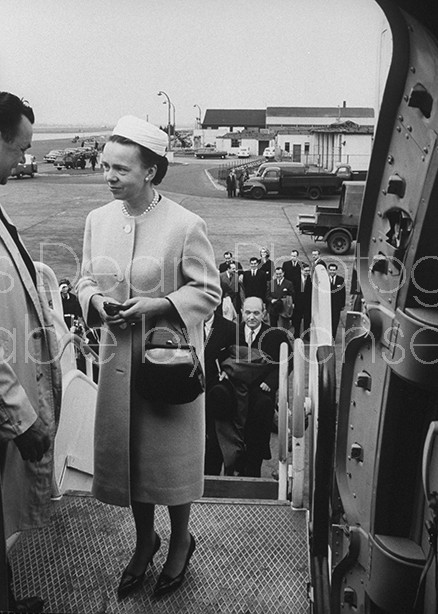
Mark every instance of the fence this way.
pixel 238 166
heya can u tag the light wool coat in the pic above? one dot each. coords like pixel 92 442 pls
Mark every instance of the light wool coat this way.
pixel 143 451
pixel 30 386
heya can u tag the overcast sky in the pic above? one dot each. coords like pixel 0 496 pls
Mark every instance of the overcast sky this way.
pixel 91 61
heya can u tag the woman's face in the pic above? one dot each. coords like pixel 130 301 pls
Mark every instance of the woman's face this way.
pixel 124 172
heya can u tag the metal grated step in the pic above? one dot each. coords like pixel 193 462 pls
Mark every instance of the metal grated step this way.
pixel 251 558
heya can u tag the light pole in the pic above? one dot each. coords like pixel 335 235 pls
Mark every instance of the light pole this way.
pixel 174 121
pixel 160 93
pixel 173 110
pixel 198 119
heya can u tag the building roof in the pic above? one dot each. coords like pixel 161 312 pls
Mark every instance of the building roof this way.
pixel 235 117
pixel 296 128
pixel 347 127
pixel 336 112
pixel 267 135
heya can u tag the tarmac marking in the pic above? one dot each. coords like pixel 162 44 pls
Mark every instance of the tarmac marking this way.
pixel 216 185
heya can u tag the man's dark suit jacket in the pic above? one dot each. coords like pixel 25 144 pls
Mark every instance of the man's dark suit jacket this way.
pixel 268 342
pixel 268 268
pixel 303 304
pixel 224 266
pixel 223 333
pixel 317 261
pixel 292 272
pixel 337 288
pixel 255 285
pixel 229 285
pixel 277 291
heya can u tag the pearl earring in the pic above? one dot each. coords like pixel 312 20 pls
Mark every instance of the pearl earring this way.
pixel 146 178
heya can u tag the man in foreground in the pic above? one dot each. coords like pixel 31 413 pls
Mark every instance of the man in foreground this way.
pixel 252 369
pixel 30 377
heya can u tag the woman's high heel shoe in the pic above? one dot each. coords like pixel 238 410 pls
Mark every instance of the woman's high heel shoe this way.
pixel 165 583
pixel 129 582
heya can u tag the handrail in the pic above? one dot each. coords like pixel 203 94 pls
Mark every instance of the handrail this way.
pixel 65 336
pixel 322 425
pixel 320 335
pixel 298 425
pixel 283 421
pixel 50 279
pixel 91 357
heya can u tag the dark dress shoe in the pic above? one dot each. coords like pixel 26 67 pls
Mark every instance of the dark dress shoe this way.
pixel 29 604
pixel 165 583
pixel 129 582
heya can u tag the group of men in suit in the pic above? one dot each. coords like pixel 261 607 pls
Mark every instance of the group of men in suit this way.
pixel 287 294
pixel 295 278
pixel 242 356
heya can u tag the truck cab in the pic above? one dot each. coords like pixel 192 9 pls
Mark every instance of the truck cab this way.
pixel 336 225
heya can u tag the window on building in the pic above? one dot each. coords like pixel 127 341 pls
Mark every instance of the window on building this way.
pixel 235 143
pixel 287 147
pixel 307 148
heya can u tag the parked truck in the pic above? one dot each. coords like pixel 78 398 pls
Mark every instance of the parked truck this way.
pixel 336 225
pixel 290 179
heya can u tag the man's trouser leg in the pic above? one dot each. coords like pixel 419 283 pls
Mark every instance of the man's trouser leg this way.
pixel 258 431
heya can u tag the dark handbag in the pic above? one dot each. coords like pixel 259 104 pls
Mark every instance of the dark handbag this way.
pixel 170 371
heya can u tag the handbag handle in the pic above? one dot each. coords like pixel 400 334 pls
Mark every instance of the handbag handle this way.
pixel 177 332
pixel 169 346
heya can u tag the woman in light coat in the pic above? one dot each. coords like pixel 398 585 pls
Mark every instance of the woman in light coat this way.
pixel 151 256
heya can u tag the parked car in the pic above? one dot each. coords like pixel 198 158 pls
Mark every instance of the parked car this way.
pixel 70 159
pixel 210 152
pixel 28 167
pixel 52 155
pixel 269 153
pixel 243 152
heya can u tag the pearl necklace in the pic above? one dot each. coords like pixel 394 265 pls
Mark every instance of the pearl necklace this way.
pixel 152 205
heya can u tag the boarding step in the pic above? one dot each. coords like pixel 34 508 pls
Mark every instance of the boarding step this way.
pixel 229 487
pixel 250 558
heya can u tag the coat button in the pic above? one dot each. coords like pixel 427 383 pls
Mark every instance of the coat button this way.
pixel 127 228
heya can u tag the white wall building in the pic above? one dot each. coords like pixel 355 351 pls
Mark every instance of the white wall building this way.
pixel 324 136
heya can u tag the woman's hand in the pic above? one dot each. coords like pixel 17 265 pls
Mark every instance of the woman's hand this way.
pixel 131 311
pixel 98 302
pixel 136 308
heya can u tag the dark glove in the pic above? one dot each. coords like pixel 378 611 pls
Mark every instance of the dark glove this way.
pixel 34 442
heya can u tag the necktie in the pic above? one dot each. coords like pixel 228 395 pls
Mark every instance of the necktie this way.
pixel 253 273
pixel 250 342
